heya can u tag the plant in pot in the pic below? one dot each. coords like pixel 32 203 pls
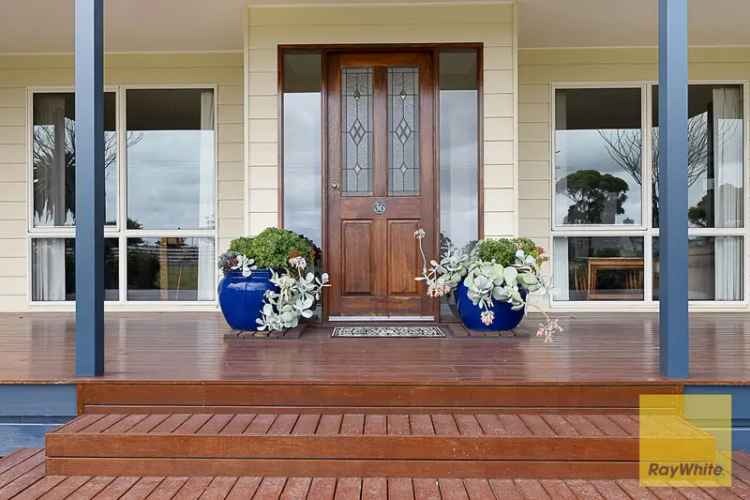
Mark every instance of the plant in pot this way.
pixel 270 281
pixel 490 282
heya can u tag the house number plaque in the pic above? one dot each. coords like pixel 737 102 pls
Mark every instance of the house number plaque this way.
pixel 378 207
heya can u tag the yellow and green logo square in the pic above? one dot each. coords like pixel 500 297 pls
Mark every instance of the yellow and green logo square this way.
pixel 685 440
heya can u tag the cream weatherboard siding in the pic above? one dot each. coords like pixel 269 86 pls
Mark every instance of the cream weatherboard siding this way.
pixel 539 69
pixel 19 73
pixel 490 24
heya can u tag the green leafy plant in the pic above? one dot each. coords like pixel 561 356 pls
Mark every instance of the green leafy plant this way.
pixel 503 251
pixel 292 259
pixel 503 270
pixel 273 248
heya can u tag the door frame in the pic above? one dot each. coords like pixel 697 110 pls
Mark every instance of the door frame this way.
pixel 325 50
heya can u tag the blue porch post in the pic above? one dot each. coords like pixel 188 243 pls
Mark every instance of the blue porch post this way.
pixel 89 137
pixel 673 187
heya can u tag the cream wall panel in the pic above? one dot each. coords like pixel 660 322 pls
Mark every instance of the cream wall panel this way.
pixel 264 130
pixel 498 200
pixel 498 152
pixel 498 176
pixel 534 190
pixel 12 116
pixel 13 210
pixel 263 200
pixel 490 24
pixel 263 106
pixel 14 248
pixel 12 191
pixel 231 171
pixel 12 267
pixel 498 129
pixel 18 73
pixel 230 94
pixel 13 172
pixel 11 96
pixel 534 170
pixel 498 105
pixel 12 135
pixel 264 177
pixel 534 132
pixel 499 224
pixel 302 18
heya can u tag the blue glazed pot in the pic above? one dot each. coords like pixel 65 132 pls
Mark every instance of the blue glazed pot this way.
pixel 505 317
pixel 241 298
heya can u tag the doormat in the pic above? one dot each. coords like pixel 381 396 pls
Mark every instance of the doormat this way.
pixel 387 331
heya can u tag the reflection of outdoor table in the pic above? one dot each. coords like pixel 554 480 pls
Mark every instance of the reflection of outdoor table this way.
pixel 633 268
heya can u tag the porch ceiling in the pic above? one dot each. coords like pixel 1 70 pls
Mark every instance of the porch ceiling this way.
pixel 197 25
pixel 130 25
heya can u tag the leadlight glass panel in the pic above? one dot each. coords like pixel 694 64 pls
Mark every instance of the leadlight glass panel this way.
pixel 356 133
pixel 403 130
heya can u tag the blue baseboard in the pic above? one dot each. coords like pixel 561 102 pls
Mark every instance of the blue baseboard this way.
pixel 38 400
pixel 740 410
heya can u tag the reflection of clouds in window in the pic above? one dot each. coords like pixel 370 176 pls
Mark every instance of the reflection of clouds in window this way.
pixel 587 150
pixel 302 189
pixel 458 166
pixel 171 166
pixel 164 180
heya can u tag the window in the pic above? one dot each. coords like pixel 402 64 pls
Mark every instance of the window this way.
pixel 602 246
pixel 53 159
pixel 160 201
pixel 302 143
pixel 459 148
pixel 598 156
pixel 716 156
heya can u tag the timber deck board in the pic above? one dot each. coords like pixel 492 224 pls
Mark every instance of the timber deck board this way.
pixel 23 478
pixel 605 347
pixel 419 445
pixel 314 424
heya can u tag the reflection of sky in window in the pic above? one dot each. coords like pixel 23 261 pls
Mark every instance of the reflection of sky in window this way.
pixel 586 150
pixel 165 177
pixel 302 204
pixel 458 166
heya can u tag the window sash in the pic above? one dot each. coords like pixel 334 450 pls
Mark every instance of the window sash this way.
pixel 646 229
pixel 118 231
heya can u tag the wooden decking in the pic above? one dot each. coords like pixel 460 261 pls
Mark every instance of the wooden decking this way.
pixel 22 476
pixel 616 347
pixel 547 445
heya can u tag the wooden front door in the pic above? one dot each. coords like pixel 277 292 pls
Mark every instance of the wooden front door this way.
pixel 381 182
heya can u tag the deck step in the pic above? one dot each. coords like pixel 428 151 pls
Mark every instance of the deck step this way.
pixel 560 445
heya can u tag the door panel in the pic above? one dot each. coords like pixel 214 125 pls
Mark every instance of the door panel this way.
pixel 358 265
pixel 403 257
pixel 381 183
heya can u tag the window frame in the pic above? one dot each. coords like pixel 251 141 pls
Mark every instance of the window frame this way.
pixel 646 230
pixel 118 231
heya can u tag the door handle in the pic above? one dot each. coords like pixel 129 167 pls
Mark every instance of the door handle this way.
pixel 334 186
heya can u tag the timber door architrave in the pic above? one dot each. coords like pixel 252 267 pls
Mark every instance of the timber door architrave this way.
pixel 379 281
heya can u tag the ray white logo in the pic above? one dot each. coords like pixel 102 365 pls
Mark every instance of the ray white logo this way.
pixel 685 469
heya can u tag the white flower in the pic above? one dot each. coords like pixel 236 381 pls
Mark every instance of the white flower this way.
pixel 419 233
pixel 487 317
pixel 298 263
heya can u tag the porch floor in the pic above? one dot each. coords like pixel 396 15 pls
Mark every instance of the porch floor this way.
pixel 611 348
pixel 23 476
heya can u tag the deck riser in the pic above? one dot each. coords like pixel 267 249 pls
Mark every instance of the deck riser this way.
pixel 349 447
pixel 165 395
pixel 342 468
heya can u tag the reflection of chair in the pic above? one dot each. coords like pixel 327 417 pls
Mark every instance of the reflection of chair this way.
pixel 632 269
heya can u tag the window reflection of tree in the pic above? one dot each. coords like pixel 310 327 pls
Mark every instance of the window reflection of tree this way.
pixel 597 198
pixel 624 147
pixel 44 156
